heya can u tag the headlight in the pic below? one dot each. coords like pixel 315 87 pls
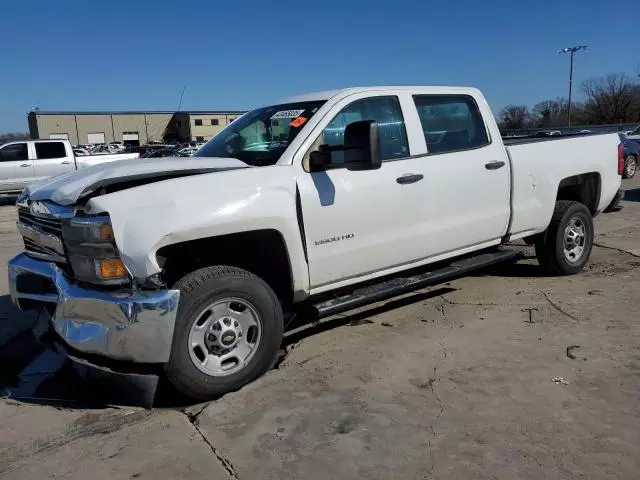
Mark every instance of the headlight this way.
pixel 92 251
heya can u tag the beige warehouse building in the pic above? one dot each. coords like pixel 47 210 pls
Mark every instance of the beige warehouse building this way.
pixel 132 128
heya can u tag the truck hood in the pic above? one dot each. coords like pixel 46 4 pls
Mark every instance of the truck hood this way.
pixel 68 188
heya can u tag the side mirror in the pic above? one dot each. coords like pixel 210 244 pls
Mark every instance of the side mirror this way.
pixel 361 150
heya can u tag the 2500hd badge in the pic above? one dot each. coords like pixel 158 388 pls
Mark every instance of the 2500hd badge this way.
pixel 346 236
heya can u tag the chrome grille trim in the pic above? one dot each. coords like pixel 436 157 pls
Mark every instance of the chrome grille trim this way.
pixel 42 253
pixel 40 223
pixel 46 224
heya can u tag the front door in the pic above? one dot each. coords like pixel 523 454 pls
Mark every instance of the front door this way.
pixel 362 222
pixel 16 170
pixel 52 158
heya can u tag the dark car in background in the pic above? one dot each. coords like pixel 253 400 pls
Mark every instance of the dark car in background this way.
pixel 159 153
pixel 631 155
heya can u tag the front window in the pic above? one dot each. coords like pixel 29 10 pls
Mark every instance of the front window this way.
pixel 261 136
pixel 636 131
pixel 14 152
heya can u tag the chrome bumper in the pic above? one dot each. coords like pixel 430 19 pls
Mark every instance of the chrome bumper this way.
pixel 128 325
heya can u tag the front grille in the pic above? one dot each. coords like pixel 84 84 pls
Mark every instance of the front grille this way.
pixel 50 225
pixel 45 224
pixel 38 251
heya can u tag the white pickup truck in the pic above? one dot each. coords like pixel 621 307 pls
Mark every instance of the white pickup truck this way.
pixel 316 204
pixel 24 162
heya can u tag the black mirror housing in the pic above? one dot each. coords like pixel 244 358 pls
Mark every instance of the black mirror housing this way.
pixel 361 149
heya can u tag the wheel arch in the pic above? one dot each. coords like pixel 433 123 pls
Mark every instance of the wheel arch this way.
pixel 262 252
pixel 584 188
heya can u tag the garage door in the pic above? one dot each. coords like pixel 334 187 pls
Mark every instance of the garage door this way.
pixel 131 136
pixel 59 136
pixel 95 137
pixel 130 139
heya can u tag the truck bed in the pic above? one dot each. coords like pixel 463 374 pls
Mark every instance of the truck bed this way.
pixel 535 139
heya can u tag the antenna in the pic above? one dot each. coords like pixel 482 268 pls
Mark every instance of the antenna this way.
pixel 181 95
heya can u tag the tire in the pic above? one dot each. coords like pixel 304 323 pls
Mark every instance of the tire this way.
pixel 223 289
pixel 550 247
pixel 630 167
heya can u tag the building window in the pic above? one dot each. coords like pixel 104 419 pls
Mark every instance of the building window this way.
pixel 179 124
pixel 214 121
pixel 231 120
pixel 199 139
pixel 198 122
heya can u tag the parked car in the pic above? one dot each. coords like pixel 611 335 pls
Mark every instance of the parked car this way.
pixel 186 152
pixel 81 152
pixel 27 161
pixel 631 155
pixel 159 154
pixel 634 134
pixel 339 202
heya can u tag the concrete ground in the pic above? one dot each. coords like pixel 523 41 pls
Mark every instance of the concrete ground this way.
pixel 506 374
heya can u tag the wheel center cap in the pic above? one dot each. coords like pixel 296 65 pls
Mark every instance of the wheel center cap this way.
pixel 228 338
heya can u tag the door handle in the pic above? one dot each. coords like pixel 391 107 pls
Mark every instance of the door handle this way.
pixel 494 165
pixel 67 162
pixel 25 165
pixel 409 178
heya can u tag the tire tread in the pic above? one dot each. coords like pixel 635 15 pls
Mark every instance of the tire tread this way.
pixel 214 387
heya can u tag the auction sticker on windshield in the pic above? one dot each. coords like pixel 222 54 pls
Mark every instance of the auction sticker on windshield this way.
pixel 288 114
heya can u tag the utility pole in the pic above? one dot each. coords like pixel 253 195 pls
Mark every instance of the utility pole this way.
pixel 571 51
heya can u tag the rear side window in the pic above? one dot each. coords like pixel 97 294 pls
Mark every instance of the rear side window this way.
pixel 50 150
pixel 450 122
pixel 14 152
pixel 386 112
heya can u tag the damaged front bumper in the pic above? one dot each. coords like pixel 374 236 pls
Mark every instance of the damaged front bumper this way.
pixel 127 325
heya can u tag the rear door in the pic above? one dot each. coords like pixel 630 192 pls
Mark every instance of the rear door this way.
pixel 52 158
pixel 467 177
pixel 16 170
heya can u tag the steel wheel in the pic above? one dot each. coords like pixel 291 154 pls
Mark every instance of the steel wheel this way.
pixel 224 336
pixel 574 240
pixel 630 166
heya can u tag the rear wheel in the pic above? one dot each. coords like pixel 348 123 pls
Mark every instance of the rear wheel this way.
pixel 630 166
pixel 566 245
pixel 228 332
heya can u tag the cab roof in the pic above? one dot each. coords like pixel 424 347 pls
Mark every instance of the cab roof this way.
pixel 328 94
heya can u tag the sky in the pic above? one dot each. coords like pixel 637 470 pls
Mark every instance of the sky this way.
pixel 139 54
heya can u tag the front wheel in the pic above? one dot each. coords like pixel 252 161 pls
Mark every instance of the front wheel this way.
pixel 228 332
pixel 565 246
pixel 630 167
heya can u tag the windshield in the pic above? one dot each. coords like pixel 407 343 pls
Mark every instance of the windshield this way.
pixel 636 131
pixel 261 136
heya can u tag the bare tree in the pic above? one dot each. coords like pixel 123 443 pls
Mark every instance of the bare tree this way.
pixel 12 137
pixel 611 99
pixel 550 113
pixel 513 117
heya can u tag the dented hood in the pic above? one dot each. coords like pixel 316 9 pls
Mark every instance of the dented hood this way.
pixel 68 188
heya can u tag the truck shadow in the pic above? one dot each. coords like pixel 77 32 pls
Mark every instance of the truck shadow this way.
pixel 7 200
pixel 305 325
pixel 513 270
pixel 632 195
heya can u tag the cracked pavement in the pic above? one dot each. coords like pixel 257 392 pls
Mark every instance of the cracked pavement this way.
pixel 450 382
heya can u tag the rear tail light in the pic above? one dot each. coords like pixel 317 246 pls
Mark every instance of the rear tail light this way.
pixel 620 159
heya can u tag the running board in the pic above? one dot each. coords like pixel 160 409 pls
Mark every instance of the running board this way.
pixel 399 285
